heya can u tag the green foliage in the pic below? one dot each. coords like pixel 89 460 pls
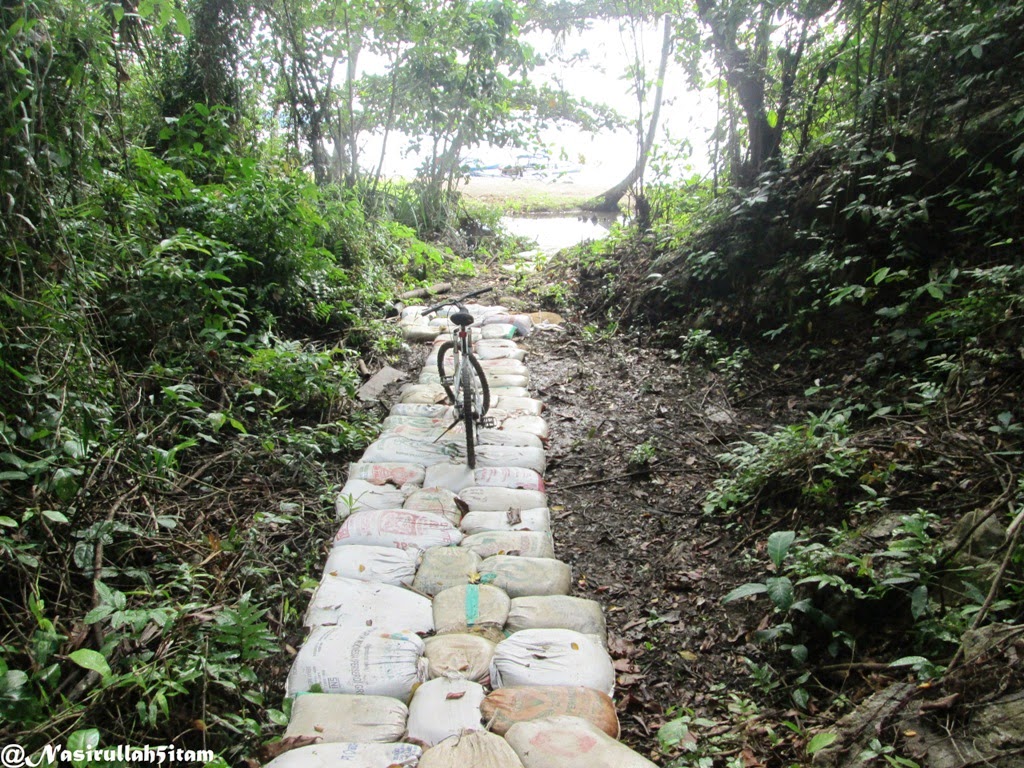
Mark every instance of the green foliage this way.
pixel 816 460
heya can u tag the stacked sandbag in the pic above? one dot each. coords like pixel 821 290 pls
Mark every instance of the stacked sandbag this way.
pixel 397 475
pixel 343 602
pixel 401 528
pixel 513 543
pixel 385 565
pixel 504 707
pixel 557 612
pixel 462 656
pixel 446 567
pixel 477 749
pixel 359 661
pixel 474 608
pixel 464 557
pixel 552 657
pixel 570 742
pixel 336 754
pixel 358 495
pixel 444 707
pixel 484 521
pixel 525 576
pixel 343 717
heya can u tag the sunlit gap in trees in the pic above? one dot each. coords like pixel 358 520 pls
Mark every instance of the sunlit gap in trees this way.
pixel 594 65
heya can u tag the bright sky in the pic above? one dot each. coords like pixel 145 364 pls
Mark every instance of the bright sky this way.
pixel 597 76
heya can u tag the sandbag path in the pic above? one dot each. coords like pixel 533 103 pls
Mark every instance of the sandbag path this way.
pixel 442 633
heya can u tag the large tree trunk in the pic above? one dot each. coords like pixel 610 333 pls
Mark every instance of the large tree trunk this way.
pixel 609 200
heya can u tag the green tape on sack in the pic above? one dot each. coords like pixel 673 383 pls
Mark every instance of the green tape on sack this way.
pixel 472 604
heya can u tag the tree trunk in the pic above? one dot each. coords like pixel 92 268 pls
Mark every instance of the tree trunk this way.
pixel 609 200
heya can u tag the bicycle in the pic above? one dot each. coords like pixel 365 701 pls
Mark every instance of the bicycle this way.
pixel 466 388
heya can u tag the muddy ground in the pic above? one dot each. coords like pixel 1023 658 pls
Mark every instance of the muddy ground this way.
pixel 629 520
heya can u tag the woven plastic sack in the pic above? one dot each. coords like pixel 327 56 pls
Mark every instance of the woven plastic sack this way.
pixel 525 576
pixel 386 565
pixel 352 603
pixel 570 742
pixel 360 661
pixel 505 707
pixel 446 567
pixel 437 501
pixel 507 477
pixel 474 608
pixel 386 474
pixel 444 707
pixel 498 331
pixel 477 749
pixel 515 406
pixel 552 657
pixel 517 543
pixel 507 436
pixel 459 655
pixel 348 755
pixel 490 499
pixel 511 520
pixel 557 611
pixel 342 717
pixel 401 450
pixel 505 367
pixel 521 422
pixel 510 456
pixel 426 411
pixel 487 350
pixel 360 495
pixel 452 477
pixel 399 528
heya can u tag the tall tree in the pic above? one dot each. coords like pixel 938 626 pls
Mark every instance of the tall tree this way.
pixel 744 36
pixel 609 199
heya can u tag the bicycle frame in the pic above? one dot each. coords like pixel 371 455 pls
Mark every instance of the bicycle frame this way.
pixel 467 388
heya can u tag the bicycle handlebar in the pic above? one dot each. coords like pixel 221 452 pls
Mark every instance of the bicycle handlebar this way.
pixel 458 301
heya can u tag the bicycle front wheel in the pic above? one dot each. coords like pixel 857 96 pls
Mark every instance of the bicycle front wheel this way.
pixel 443 374
pixel 476 401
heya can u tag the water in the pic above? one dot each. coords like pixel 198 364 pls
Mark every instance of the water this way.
pixel 556 231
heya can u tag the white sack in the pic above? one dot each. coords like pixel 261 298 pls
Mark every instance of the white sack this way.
pixel 347 755
pixel 386 565
pixel 360 661
pixel 552 657
pixel 557 611
pixel 444 707
pixel 352 603
pixel 491 498
pixel 525 576
pixel 512 520
pixel 401 528
pixel 517 543
pixel 343 717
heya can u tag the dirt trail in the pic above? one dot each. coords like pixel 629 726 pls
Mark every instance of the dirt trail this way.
pixel 633 440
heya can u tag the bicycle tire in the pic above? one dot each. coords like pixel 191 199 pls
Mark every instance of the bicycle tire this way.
pixel 468 421
pixel 440 368
pixel 470 415
pixel 485 388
